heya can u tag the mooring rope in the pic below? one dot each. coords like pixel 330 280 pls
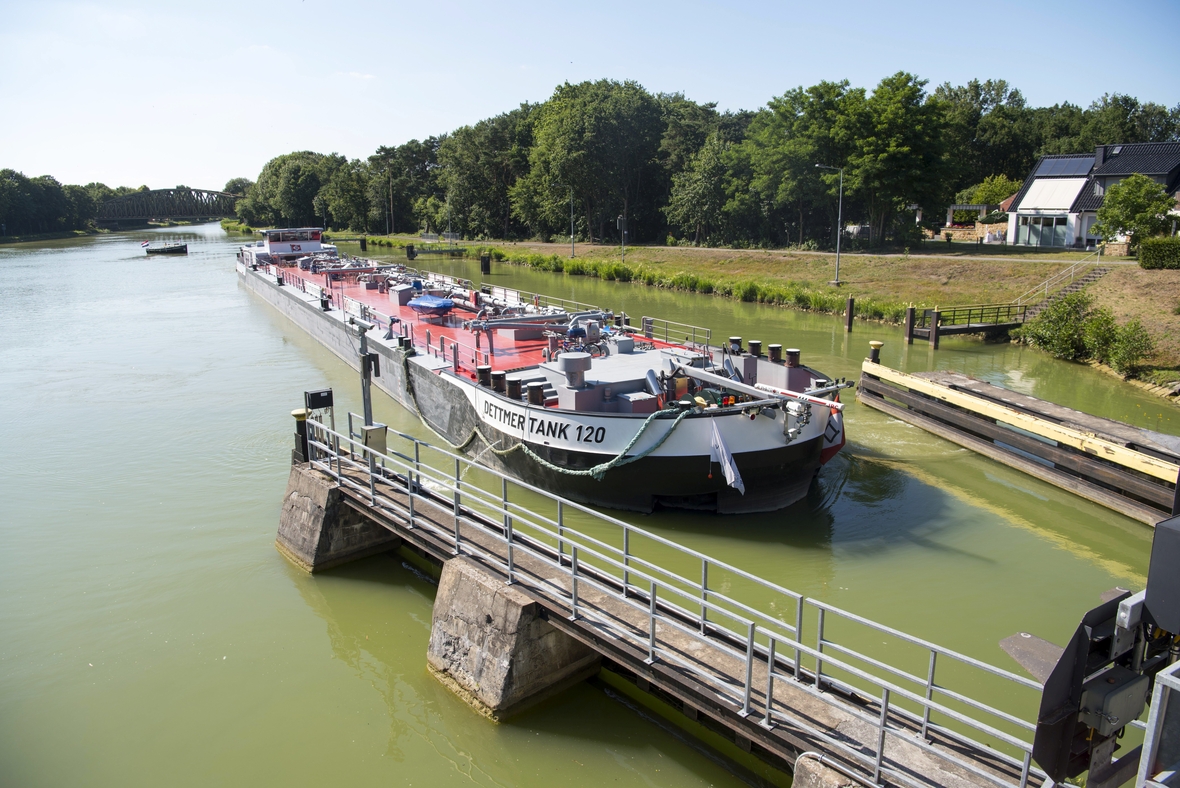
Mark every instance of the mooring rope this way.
pixel 597 472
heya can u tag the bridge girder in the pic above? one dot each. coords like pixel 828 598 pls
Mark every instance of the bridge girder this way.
pixel 169 204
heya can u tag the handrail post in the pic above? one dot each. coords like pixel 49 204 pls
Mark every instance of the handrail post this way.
pixel 560 531
pixel 458 535
pixel 1024 769
pixel 881 735
pixel 767 722
pixel 798 638
pixel 745 712
pixel 819 649
pixel 507 525
pixel 704 594
pixel 574 582
pixel 651 624
pixel 929 693
pixel 372 482
pixel 626 560
pixel 417 465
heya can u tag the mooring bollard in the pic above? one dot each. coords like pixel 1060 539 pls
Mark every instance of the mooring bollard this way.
pixel 364 244
pixel 909 325
pixel 875 351
pixel 849 311
pixel 934 318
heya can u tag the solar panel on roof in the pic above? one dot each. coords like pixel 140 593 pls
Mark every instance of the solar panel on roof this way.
pixel 1065 168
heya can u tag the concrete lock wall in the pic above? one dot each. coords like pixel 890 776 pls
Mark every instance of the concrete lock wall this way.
pixel 490 644
pixel 317 530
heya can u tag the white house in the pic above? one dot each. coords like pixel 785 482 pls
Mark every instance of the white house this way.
pixel 1058 204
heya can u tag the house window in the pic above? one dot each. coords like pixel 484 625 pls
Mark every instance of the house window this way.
pixel 1098 188
pixel 1042 230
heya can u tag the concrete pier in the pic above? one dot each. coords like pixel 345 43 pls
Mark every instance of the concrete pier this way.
pixel 318 531
pixel 527 607
pixel 490 644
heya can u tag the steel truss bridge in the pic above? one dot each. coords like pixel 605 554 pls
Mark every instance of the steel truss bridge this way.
pixel 169 204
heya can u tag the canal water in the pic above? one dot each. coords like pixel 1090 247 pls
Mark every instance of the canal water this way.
pixel 152 634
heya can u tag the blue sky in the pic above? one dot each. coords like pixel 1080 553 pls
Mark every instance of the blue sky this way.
pixel 196 93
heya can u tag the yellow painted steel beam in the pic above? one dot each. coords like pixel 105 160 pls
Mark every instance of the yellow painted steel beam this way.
pixel 1066 436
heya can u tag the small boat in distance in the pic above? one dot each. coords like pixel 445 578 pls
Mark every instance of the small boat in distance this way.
pixel 174 248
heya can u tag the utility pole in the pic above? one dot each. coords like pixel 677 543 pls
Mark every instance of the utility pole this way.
pixel 839 220
pixel 572 223
pixel 362 330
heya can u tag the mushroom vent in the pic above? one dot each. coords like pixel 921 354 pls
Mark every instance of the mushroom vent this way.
pixel 574 366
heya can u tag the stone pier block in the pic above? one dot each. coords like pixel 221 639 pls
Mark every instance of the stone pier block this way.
pixel 318 531
pixel 490 645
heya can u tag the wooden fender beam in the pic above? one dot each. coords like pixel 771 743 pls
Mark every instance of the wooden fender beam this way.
pixel 1066 436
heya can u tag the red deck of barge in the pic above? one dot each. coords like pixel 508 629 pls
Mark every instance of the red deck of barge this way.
pixel 448 339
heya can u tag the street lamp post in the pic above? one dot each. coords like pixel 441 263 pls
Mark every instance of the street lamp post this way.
pixel 839 219
pixel 621 223
pixel 571 188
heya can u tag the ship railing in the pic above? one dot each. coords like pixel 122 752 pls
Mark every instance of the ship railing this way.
pixel 670 332
pixel 903 686
pixel 520 298
pixel 461 356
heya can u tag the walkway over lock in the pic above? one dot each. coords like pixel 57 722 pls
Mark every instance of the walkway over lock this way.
pixel 781 673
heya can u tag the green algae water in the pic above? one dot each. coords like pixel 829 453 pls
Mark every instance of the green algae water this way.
pixel 151 634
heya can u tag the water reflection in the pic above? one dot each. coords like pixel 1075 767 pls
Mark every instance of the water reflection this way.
pixel 377 615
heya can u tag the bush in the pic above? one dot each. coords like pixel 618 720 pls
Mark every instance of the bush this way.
pixel 1059 329
pixel 1159 253
pixel 1099 335
pixel 1131 345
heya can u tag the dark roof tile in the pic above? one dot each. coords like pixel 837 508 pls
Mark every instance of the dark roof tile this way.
pixel 1086 200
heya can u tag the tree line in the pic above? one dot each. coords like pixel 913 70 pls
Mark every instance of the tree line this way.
pixel 681 170
pixel 33 206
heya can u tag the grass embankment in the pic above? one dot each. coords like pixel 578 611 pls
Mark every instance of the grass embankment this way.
pixel 1152 297
pixel 20 239
pixel 883 285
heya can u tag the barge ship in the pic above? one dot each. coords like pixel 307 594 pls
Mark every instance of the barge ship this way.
pixel 566 396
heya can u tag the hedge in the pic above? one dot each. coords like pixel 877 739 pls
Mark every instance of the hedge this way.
pixel 1159 253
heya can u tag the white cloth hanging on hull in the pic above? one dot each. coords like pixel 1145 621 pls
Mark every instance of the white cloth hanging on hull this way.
pixel 720 453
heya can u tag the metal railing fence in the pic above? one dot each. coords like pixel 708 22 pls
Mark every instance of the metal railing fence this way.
pixel 506 296
pixel 670 331
pixel 1061 278
pixel 760 626
pixel 972 314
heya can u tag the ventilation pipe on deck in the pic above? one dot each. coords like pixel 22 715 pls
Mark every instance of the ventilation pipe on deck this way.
pixel 574 366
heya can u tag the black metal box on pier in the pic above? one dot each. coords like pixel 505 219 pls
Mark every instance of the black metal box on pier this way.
pixel 314 400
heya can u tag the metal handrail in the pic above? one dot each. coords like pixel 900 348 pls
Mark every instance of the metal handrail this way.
pixel 514 297
pixel 1041 291
pixel 988 314
pixel 664 596
pixel 653 327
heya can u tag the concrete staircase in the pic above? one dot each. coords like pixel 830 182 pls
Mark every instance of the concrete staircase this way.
pixel 1091 276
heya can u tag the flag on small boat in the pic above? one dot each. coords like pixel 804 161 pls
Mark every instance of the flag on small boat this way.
pixel 720 453
pixel 145 243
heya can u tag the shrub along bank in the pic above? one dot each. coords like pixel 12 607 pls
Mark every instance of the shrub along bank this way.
pixel 1072 328
pixel 785 294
